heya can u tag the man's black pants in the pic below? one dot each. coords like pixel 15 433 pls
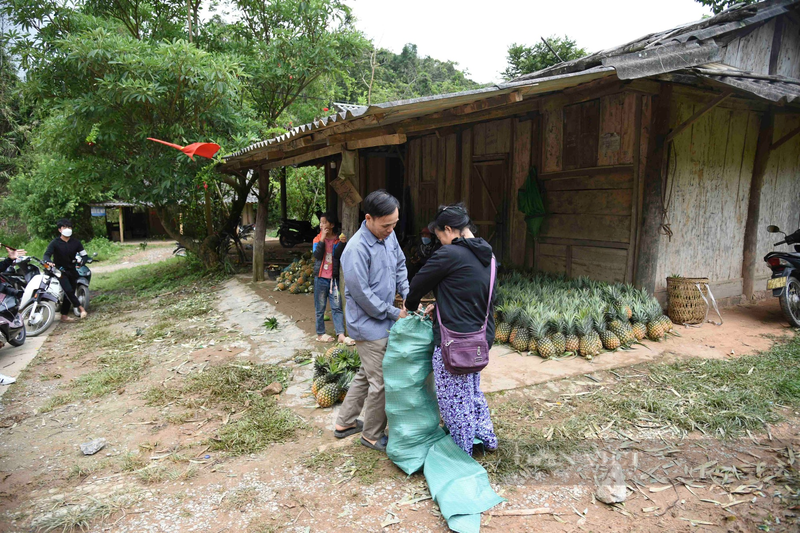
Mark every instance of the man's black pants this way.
pixel 69 280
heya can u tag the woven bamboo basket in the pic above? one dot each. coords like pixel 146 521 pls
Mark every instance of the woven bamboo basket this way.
pixel 685 303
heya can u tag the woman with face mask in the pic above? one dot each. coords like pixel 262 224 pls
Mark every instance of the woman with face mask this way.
pixel 62 251
pixel 459 273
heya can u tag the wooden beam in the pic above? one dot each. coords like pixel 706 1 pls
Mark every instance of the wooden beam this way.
pixel 786 138
pixel 359 135
pixel 691 120
pixel 480 105
pixel 652 208
pixel 763 147
pixel 284 215
pixel 260 233
pixel 426 123
pixel 121 226
pixel 777 37
pixel 308 156
pixel 383 140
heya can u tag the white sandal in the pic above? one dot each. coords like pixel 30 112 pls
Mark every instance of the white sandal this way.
pixel 325 338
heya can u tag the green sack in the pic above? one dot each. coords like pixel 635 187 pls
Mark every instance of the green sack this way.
pixel 410 394
pixel 458 484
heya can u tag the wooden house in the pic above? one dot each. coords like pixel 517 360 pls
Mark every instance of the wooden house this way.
pixel 668 155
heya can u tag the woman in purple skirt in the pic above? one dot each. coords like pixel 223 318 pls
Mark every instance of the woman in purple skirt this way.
pixel 459 275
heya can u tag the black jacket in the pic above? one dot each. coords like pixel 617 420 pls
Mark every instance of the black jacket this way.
pixel 63 253
pixel 458 274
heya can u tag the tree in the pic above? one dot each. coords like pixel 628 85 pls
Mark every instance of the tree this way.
pixel 718 6
pixel 526 59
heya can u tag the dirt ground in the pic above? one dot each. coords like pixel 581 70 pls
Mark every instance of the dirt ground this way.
pixel 676 482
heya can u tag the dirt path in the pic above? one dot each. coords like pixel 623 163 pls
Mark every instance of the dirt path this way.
pixel 154 253
pixel 158 472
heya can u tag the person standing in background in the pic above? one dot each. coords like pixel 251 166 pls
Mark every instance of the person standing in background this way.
pixel 326 272
pixel 62 250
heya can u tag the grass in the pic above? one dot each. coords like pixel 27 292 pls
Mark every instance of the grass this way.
pixel 157 279
pixel 78 517
pixel 263 423
pixel 355 461
pixel 235 384
pixel 238 499
pixel 721 398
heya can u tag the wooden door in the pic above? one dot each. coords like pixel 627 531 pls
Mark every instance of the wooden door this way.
pixel 486 205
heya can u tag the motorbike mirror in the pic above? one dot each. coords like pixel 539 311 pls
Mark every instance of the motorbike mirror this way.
pixel 774 229
pixel 94 254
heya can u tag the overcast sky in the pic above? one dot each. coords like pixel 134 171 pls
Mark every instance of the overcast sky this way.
pixel 477 33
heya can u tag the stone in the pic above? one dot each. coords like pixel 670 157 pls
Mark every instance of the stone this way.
pixel 92 447
pixel 272 389
pixel 612 489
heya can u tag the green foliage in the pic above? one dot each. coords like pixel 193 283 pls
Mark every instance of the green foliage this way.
pixel 718 6
pixel 526 59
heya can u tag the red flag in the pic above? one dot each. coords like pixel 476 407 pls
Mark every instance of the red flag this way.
pixel 206 150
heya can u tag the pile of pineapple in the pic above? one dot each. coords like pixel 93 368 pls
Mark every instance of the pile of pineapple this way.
pixel 553 316
pixel 298 277
pixel 333 373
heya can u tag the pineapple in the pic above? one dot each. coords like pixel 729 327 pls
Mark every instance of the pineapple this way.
pixel 532 349
pixel 344 384
pixel 328 395
pixel 335 350
pixel 503 330
pixel 666 323
pixel 510 314
pixel 318 383
pixel 655 330
pixel 639 319
pixel 571 340
pixel 321 367
pixel 609 340
pixel 585 329
pixel 619 326
pixel 540 329
pixel 557 334
pixel 514 316
pixel 523 336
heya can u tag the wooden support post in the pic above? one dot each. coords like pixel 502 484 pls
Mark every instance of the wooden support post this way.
pixel 350 220
pixel 652 208
pixel 260 233
pixel 763 148
pixel 121 226
pixel 283 192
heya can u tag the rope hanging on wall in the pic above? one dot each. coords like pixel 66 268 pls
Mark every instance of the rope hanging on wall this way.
pixel 668 180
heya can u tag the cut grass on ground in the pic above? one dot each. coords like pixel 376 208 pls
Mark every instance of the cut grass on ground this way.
pixel 237 388
pixel 355 461
pixel 719 398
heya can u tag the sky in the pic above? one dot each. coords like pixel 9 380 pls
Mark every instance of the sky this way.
pixel 476 34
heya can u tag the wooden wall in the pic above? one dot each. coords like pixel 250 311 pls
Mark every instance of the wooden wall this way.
pixel 780 197
pixel 707 189
pixel 592 158
pixel 752 52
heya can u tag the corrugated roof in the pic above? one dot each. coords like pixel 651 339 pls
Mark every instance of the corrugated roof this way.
pixel 693 49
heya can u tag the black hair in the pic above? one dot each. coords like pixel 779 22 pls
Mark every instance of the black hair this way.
pixel 63 222
pixel 330 217
pixel 380 203
pixel 453 215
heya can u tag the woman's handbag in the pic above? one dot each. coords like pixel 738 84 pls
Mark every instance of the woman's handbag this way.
pixel 466 353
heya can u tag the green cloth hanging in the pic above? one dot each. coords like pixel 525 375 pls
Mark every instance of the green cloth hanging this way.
pixel 530 201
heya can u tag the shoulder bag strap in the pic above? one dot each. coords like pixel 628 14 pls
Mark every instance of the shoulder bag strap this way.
pixel 491 288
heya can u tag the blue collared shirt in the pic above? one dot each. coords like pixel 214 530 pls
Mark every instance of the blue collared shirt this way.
pixel 374 270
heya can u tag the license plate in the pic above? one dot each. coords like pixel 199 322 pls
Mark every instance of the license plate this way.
pixel 776 283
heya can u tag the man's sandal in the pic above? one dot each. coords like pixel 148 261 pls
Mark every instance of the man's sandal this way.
pixel 379 445
pixel 349 431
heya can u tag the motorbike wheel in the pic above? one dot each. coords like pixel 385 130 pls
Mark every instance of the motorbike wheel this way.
pixel 82 292
pixel 48 314
pixel 790 301
pixel 286 241
pixel 19 340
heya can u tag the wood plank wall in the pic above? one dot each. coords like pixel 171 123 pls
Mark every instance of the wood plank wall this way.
pixel 780 197
pixel 752 52
pixel 593 154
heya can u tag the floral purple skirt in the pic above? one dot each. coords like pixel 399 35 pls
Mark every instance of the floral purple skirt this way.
pixel 463 406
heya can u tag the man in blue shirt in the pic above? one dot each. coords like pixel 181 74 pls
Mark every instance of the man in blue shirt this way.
pixel 374 270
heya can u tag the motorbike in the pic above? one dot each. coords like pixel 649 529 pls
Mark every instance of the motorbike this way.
pixel 12 328
pixel 42 296
pixel 292 232
pixel 785 281
pixel 84 277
